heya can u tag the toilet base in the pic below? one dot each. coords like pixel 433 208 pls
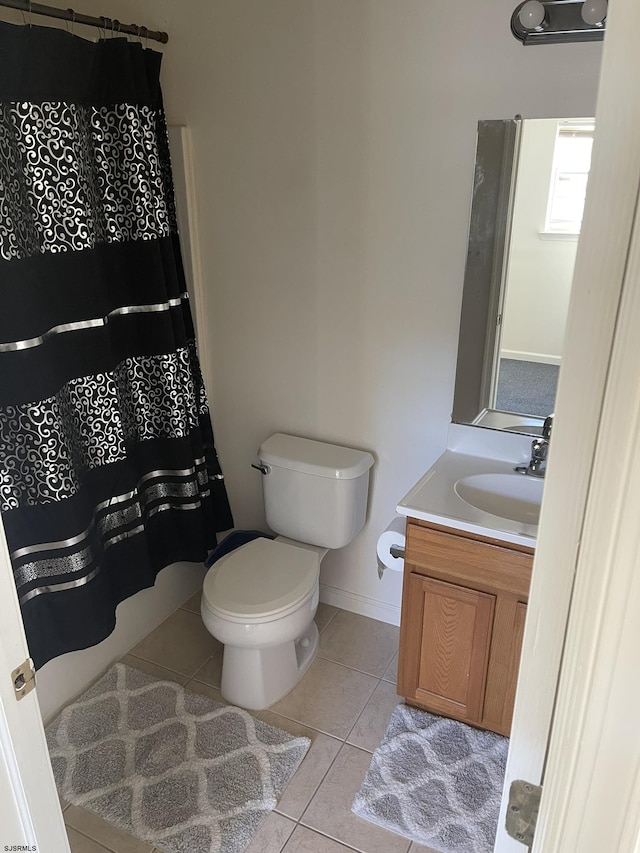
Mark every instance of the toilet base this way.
pixel 256 678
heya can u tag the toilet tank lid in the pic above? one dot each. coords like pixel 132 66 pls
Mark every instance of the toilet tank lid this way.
pixel 314 457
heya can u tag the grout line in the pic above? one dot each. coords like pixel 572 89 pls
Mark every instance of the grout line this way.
pixel 161 666
pixel 210 658
pixel 358 717
pixel 330 619
pixel 95 840
pixel 193 679
pixel 380 681
pixel 313 728
pixel 307 726
pixel 355 668
pixel 203 683
pixel 317 788
pixel 334 838
pixel 103 844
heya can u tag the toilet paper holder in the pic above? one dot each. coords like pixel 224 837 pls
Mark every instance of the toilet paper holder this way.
pixel 397 551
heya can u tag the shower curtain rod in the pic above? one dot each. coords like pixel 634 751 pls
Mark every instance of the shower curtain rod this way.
pixel 106 24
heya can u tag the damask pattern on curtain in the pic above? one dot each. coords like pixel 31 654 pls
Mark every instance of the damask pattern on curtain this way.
pixel 108 470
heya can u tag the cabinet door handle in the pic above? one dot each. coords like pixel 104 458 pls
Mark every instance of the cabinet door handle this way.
pixel 397 551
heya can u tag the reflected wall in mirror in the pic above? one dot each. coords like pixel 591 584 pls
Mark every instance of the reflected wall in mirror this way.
pixel 528 196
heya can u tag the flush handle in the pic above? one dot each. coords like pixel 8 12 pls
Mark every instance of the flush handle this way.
pixel 264 469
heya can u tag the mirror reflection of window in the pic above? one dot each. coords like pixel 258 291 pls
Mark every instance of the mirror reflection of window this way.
pixel 569 176
pixel 547 204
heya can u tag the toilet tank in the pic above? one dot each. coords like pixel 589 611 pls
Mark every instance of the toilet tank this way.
pixel 314 492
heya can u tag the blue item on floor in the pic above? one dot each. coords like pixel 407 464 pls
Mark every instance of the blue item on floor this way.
pixel 232 541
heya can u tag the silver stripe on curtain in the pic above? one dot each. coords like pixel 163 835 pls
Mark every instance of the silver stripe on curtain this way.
pixel 85 559
pixel 198 470
pixel 97 323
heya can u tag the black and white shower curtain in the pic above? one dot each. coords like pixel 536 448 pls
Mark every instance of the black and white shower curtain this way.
pixel 108 470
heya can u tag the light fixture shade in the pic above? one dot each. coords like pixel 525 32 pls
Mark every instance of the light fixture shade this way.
pixel 532 14
pixel 557 21
pixel 594 12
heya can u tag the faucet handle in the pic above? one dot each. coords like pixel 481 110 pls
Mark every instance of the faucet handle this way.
pixel 547 426
pixel 539 448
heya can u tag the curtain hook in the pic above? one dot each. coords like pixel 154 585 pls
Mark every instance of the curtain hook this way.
pixel 73 20
pixel 146 32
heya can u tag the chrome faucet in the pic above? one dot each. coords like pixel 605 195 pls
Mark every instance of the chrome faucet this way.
pixel 539 448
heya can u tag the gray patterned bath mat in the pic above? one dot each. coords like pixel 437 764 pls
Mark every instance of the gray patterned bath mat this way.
pixel 435 781
pixel 171 767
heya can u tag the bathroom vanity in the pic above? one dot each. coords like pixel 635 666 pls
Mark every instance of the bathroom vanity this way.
pixel 466 582
pixel 463 610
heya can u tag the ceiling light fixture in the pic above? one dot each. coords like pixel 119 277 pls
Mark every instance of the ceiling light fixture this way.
pixel 536 22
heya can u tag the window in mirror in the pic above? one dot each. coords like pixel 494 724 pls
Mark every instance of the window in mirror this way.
pixel 570 172
pixel 529 190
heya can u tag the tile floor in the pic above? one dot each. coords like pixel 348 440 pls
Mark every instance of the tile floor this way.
pixel 342 704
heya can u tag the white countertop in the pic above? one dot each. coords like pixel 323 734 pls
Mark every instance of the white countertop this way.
pixel 434 499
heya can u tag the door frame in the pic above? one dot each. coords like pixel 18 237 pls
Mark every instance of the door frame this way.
pixel 591 799
pixel 590 470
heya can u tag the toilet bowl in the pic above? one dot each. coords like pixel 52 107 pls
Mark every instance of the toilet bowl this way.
pixel 260 600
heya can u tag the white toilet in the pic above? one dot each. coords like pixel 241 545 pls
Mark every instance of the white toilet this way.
pixel 260 599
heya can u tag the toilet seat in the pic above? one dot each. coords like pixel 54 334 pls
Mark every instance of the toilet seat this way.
pixel 261 581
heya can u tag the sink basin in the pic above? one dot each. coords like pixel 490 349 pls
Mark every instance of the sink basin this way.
pixel 514 496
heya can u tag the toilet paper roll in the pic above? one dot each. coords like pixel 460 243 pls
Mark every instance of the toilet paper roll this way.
pixel 393 535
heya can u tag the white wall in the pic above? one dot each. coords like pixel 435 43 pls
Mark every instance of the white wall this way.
pixel 334 146
pixel 540 270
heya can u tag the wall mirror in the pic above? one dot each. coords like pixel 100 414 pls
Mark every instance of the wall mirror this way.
pixel 528 196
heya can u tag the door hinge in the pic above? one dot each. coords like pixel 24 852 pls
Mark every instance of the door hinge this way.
pixel 522 811
pixel 24 679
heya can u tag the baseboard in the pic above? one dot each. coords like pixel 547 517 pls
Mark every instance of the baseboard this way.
pixel 541 357
pixel 351 601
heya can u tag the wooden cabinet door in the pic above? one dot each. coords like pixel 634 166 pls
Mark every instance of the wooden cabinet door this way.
pixel 446 646
pixel 504 664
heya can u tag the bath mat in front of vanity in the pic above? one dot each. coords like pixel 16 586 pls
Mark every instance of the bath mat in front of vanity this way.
pixel 435 781
pixel 171 767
